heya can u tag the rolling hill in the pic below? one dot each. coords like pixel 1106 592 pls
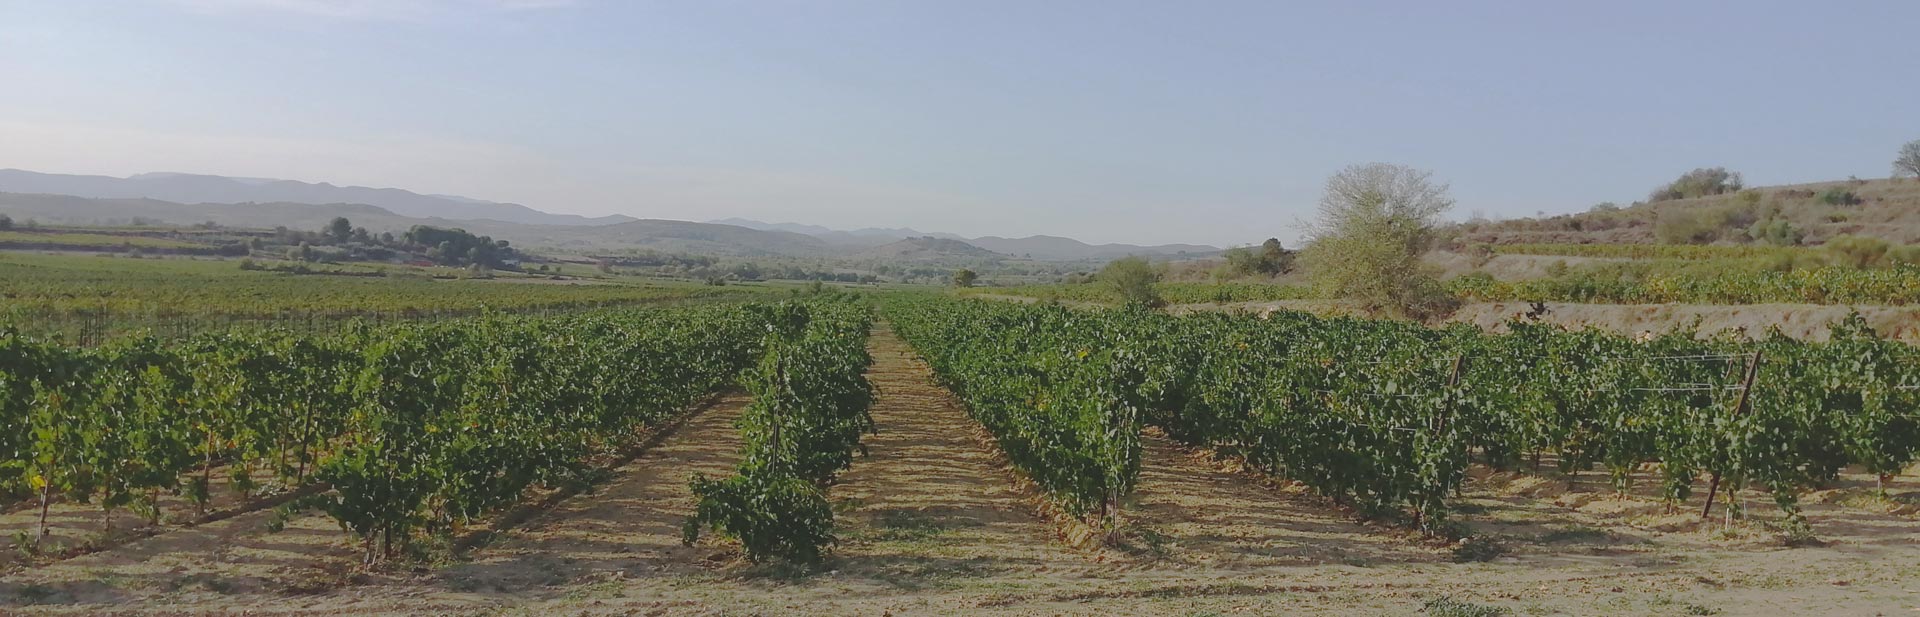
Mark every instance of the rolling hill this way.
pixel 194 189
pixel 185 199
pixel 927 249
pixel 1888 209
pixel 650 234
pixel 1044 248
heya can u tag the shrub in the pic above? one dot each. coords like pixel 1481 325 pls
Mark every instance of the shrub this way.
pixel 1375 221
pixel 1684 227
pixel 1777 232
pixel 1839 197
pixel 1904 255
pixel 1133 278
pixel 1699 183
pixel 1857 251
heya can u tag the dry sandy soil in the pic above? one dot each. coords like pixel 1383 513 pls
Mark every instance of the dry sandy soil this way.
pixel 933 522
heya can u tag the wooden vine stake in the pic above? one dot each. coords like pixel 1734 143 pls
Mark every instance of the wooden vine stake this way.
pixel 1453 383
pixel 1739 407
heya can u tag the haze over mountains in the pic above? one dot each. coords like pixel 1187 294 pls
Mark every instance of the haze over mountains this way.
pixel 194 188
pixel 1034 247
pixel 183 199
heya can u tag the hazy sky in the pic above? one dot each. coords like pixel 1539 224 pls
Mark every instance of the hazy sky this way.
pixel 1165 121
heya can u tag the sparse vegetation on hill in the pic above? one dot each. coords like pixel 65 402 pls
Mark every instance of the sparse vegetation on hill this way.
pixel 1699 183
pixel 1888 209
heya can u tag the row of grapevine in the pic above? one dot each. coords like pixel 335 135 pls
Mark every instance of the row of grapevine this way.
pixel 810 406
pixel 1385 416
pixel 1061 390
pixel 123 422
pixel 1174 292
pixel 458 419
pixel 416 427
pixel 1362 411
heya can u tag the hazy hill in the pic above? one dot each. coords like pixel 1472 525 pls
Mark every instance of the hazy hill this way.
pixel 1046 248
pixel 1885 209
pixel 681 237
pixel 926 248
pixel 1056 248
pixel 660 235
pixel 194 189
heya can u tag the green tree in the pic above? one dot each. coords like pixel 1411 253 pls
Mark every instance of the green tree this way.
pixel 1699 183
pixel 964 277
pixel 6 222
pixel 1375 220
pixel 1908 163
pixel 1133 278
pixel 340 230
pixel 1270 258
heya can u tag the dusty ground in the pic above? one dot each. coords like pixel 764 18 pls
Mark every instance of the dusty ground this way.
pixel 934 523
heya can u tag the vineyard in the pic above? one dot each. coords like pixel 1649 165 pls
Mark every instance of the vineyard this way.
pixel 1172 292
pixel 402 432
pixel 1898 286
pixel 1386 416
pixel 97 298
pixel 499 461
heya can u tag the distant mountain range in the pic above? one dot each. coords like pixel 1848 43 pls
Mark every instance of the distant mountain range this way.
pixel 192 188
pixel 186 199
pixel 1046 248
pixel 637 234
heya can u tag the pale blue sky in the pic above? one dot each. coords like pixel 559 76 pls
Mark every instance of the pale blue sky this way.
pixel 1207 121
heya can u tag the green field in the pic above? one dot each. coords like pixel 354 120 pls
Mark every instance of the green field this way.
pixel 92 241
pixel 88 296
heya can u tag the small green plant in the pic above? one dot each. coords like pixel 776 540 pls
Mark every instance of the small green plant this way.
pixel 1449 607
pixel 33 593
pixel 1690 608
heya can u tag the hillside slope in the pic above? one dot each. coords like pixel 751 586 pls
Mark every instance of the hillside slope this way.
pixel 1885 209
pixel 926 249
pixel 1044 248
pixel 1056 248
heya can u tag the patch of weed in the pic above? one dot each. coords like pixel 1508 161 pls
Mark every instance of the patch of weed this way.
pixel 1479 548
pixel 905 526
pixel 1576 533
pixel 1449 607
